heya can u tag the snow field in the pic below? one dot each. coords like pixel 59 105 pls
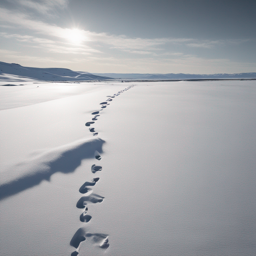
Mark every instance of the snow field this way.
pixel 162 169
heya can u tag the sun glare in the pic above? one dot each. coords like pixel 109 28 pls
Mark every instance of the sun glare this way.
pixel 75 36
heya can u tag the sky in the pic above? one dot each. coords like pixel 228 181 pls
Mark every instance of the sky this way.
pixel 130 36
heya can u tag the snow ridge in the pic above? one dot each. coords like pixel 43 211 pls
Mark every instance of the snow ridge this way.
pixel 16 72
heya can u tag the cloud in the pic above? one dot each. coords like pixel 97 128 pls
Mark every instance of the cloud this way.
pixel 207 44
pixel 50 45
pixel 7 52
pixel 23 21
pixel 139 52
pixel 6 26
pixel 41 6
pixel 120 42
pixel 26 60
pixel 22 38
pixel 140 46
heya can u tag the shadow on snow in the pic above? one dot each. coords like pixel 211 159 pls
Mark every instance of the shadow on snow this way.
pixel 63 159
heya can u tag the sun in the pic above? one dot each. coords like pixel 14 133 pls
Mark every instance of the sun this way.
pixel 75 36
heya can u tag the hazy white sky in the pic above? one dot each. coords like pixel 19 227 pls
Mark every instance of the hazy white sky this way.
pixel 135 36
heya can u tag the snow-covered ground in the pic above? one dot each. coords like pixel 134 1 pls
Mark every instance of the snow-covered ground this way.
pixel 169 169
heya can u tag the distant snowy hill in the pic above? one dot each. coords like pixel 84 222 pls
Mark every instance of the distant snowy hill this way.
pixel 180 76
pixel 16 72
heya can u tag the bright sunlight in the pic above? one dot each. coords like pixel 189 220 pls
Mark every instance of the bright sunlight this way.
pixel 75 35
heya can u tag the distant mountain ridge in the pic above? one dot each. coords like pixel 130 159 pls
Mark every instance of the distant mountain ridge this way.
pixel 14 72
pixel 9 71
pixel 179 76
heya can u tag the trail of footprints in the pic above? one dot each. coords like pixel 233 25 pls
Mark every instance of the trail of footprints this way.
pixel 97 239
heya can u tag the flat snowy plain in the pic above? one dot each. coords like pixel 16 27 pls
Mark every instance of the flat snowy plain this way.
pixel 171 172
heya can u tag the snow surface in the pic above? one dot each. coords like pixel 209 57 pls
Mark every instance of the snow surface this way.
pixel 175 161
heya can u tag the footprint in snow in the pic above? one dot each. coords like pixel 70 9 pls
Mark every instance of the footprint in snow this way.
pixel 97 155
pixel 84 200
pixel 83 189
pixel 85 217
pixel 92 129
pixel 99 239
pixel 78 237
pixel 96 168
pixel 89 123
pixel 95 118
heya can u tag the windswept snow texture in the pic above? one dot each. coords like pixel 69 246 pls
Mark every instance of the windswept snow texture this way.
pixel 171 170
pixel 16 73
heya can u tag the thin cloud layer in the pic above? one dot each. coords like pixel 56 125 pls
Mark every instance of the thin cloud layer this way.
pixel 41 6
pixel 47 37
pixel 120 42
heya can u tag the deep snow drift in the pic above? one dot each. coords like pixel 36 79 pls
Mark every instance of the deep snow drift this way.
pixel 128 169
